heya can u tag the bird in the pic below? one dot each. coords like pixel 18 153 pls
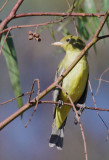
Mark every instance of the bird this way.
pixel 75 84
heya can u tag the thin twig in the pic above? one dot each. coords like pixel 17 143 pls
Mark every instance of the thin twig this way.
pixel 37 101
pixel 97 110
pixel 102 37
pixel 73 18
pixel 101 24
pixel 78 119
pixel 3 5
pixel 103 80
pixel 11 14
pixel 37 25
pixel 100 79
pixel 10 100
pixel 77 106
pixel 52 102
pixel 4 41
pixel 59 14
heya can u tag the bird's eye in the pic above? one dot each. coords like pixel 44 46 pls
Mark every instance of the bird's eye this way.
pixel 67 40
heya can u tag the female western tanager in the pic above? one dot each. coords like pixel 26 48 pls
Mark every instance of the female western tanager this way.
pixel 75 84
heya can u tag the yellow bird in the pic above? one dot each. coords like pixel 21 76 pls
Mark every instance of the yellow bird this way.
pixel 75 84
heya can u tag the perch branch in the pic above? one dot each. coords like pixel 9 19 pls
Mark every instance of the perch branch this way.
pixel 78 119
pixel 59 14
pixel 11 15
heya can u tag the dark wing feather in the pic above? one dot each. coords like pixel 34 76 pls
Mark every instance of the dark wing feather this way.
pixel 57 90
pixel 84 95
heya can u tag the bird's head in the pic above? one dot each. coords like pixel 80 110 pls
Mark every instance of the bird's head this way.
pixel 70 42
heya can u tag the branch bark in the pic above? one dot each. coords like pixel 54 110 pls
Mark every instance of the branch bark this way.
pixel 59 14
pixel 11 15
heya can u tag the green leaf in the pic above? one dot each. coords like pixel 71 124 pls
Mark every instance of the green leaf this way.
pixel 106 6
pixel 82 28
pixel 85 33
pixel 52 32
pixel 78 5
pixel 11 60
pixel 95 48
pixel 93 23
pixel 107 22
pixel 89 6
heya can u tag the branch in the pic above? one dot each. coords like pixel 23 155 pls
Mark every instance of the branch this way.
pixel 77 106
pixel 58 14
pixel 3 5
pixel 97 110
pixel 100 79
pixel 11 15
pixel 42 94
pixel 37 25
pixel 78 119
pixel 4 41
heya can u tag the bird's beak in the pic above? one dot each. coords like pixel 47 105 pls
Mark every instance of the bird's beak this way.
pixel 57 44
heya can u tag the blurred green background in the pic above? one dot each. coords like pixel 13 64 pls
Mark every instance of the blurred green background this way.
pixel 40 60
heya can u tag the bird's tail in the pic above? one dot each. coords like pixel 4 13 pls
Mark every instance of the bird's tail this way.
pixel 57 136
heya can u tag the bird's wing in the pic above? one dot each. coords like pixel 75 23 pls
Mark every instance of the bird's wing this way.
pixel 57 90
pixel 84 95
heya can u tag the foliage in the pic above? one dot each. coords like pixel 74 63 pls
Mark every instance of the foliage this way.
pixel 86 26
pixel 12 64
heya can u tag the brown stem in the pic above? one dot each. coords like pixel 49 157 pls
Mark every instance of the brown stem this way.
pixel 11 15
pixel 78 119
pixel 3 5
pixel 78 106
pixel 58 14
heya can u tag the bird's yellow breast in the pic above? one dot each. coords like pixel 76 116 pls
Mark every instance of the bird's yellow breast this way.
pixel 74 84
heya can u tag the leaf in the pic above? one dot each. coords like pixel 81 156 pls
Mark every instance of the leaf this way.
pixel 78 4
pixel 107 22
pixel 106 5
pixel 89 6
pixel 82 28
pixel 52 32
pixel 12 64
pixel 85 33
pixel 95 48
pixel 93 23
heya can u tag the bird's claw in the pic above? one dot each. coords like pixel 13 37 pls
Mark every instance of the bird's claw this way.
pixel 60 104
pixel 79 112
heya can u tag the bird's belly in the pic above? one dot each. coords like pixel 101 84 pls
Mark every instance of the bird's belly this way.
pixel 74 83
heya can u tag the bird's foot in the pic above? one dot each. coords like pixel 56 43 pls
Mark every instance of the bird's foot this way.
pixel 60 104
pixel 79 112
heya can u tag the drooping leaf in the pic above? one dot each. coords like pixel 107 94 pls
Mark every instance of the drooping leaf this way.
pixel 82 28
pixel 12 64
pixel 95 48
pixel 107 22
pixel 89 7
pixel 51 30
pixel 78 4
pixel 93 23
pixel 106 6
